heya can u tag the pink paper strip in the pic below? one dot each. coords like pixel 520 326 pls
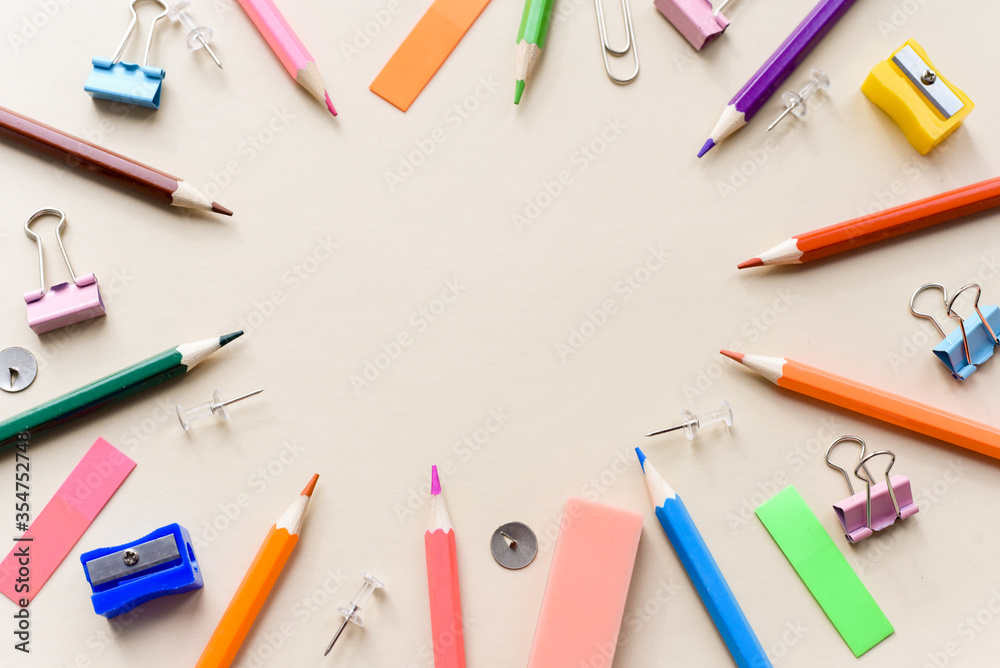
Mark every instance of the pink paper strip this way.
pixel 64 519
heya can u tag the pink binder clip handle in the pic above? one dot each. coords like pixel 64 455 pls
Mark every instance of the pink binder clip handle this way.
pixel 880 505
pixel 66 303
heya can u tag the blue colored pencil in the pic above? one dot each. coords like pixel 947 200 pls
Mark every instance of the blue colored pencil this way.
pixel 703 571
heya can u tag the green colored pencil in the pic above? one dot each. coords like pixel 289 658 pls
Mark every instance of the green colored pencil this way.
pixel 130 380
pixel 530 40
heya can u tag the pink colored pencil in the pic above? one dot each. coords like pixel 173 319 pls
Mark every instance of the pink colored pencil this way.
pixel 442 581
pixel 288 47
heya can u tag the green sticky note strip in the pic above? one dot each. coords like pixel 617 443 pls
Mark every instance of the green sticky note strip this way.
pixel 823 569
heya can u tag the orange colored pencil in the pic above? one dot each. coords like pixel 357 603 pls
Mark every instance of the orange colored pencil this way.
pixel 882 225
pixel 257 584
pixel 448 639
pixel 875 403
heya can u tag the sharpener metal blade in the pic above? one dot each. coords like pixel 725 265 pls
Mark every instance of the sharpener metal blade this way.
pixel 937 93
pixel 150 554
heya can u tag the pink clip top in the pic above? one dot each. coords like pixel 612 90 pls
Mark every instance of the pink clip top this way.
pixel 853 515
pixel 695 19
pixel 66 303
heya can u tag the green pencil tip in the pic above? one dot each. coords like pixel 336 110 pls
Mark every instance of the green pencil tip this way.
pixel 226 338
pixel 518 91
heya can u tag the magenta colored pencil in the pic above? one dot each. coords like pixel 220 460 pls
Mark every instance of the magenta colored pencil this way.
pixel 773 73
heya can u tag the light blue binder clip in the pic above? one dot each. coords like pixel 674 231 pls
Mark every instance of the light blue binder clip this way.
pixel 973 342
pixel 130 83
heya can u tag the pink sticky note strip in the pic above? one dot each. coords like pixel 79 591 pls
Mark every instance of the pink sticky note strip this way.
pixel 64 519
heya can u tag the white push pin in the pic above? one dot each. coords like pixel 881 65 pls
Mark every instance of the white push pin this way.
pixel 796 103
pixel 198 36
pixel 214 407
pixel 353 613
pixel 692 423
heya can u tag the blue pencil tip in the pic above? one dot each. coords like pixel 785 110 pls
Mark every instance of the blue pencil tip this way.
pixel 709 144
pixel 642 458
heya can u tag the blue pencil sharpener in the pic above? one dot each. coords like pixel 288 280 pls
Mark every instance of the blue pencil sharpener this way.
pixel 158 564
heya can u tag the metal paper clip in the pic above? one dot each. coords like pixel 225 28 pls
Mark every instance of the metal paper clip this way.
pixel 973 341
pixel 126 82
pixel 65 303
pixel 880 505
pixel 629 42
pixel 696 20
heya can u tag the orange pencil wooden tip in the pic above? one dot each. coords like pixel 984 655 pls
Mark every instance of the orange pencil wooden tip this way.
pixel 308 491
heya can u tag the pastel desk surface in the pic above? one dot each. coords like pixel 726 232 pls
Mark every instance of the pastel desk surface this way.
pixel 516 294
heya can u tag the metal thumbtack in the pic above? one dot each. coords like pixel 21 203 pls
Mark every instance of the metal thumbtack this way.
pixel 214 407
pixel 514 545
pixel 692 423
pixel 796 103
pixel 198 36
pixel 18 369
pixel 353 613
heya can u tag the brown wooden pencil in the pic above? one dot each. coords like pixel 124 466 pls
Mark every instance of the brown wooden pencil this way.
pixel 79 153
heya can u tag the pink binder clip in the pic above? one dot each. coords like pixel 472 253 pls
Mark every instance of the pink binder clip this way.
pixel 62 304
pixel 695 19
pixel 880 505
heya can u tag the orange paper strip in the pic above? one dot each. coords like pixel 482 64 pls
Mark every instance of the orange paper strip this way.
pixel 425 49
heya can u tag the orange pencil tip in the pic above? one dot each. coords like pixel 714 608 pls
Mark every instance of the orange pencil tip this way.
pixel 308 491
pixel 733 356
pixel 752 262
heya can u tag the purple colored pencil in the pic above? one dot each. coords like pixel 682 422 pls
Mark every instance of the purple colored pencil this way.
pixel 778 67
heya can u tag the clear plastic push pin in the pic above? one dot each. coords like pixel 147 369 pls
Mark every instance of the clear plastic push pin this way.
pixel 214 407
pixel 353 612
pixel 692 423
pixel 796 103
pixel 198 36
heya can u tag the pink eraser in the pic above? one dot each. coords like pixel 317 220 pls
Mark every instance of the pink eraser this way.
pixel 588 583
pixel 694 19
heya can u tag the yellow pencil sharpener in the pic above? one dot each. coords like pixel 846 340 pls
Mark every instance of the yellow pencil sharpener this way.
pixel 926 106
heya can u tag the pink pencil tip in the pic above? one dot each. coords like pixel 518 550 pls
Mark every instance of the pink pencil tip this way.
pixel 329 104
pixel 435 481
pixel 752 262
pixel 733 356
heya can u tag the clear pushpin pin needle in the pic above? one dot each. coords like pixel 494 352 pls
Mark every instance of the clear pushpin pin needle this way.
pixel 13 376
pixel 796 102
pixel 198 36
pixel 353 612
pixel 692 423
pixel 214 407
pixel 511 543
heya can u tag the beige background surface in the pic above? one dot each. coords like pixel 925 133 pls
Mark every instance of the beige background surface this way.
pixel 328 260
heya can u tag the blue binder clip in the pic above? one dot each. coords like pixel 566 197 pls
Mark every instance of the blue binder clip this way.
pixel 128 575
pixel 130 83
pixel 973 342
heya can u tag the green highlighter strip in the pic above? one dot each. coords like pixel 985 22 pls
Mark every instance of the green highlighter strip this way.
pixel 823 569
